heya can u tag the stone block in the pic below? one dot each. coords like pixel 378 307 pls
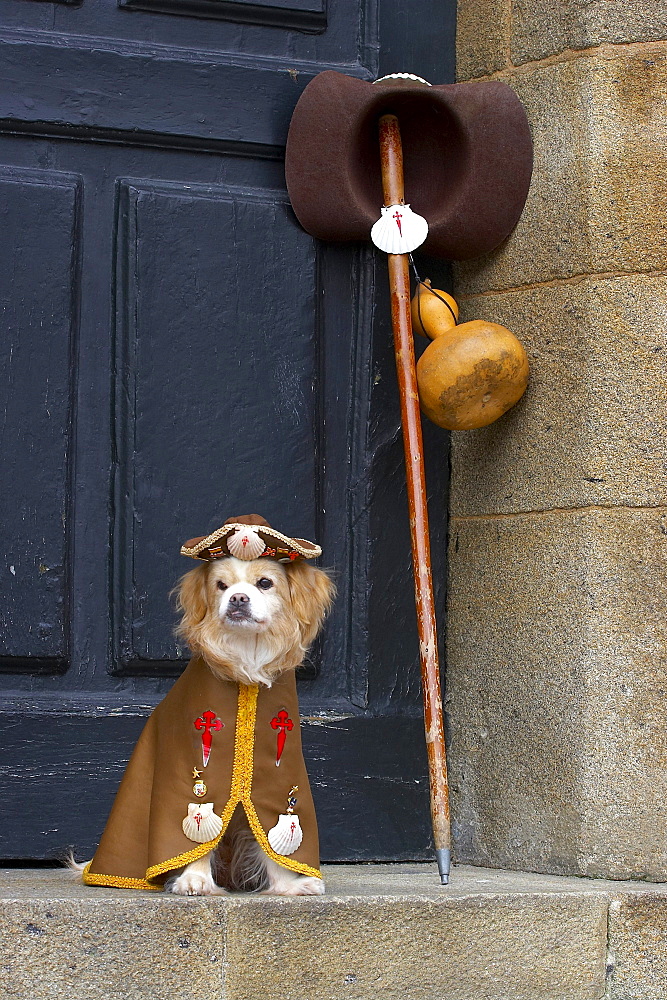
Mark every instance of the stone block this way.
pixel 121 947
pixel 514 946
pixel 556 685
pixel 556 25
pixel 590 428
pixel 638 947
pixel 482 37
pixel 599 126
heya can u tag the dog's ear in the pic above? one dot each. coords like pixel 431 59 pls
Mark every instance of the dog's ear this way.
pixel 312 593
pixel 191 600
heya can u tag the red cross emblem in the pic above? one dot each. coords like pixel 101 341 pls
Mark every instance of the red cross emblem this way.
pixel 283 724
pixel 207 724
pixel 398 216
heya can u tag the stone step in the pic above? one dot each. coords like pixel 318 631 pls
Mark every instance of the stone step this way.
pixel 382 932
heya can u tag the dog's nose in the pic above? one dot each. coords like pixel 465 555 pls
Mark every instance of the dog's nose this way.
pixel 238 600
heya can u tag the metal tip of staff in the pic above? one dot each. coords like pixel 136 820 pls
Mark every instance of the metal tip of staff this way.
pixel 443 857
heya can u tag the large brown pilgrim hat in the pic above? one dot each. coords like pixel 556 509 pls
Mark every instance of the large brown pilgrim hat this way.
pixel 467 159
pixel 249 537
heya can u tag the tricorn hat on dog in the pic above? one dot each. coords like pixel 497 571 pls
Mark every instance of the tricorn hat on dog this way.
pixel 467 154
pixel 249 537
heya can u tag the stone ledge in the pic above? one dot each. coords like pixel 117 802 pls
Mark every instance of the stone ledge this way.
pixel 389 931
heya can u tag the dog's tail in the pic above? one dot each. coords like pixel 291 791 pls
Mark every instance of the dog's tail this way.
pixel 76 867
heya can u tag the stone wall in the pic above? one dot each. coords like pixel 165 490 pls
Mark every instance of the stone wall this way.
pixel 557 619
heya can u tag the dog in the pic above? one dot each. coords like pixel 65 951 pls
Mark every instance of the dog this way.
pixel 249 615
pixel 251 621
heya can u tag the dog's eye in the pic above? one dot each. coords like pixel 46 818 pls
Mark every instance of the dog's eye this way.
pixel 264 583
pixel 221 585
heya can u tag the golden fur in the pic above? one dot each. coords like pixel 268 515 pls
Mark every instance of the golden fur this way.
pixel 287 619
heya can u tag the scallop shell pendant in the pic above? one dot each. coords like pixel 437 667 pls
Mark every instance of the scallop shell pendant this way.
pixel 286 836
pixel 245 543
pixel 201 824
pixel 399 230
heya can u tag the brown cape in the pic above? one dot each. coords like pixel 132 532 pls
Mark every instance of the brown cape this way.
pixel 144 842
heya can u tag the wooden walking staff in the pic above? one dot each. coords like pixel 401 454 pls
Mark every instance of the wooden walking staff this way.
pixel 391 159
pixel 468 157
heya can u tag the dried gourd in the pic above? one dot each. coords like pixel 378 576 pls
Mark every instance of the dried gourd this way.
pixel 471 374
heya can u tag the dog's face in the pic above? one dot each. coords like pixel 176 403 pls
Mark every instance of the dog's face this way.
pixel 251 620
pixel 247 596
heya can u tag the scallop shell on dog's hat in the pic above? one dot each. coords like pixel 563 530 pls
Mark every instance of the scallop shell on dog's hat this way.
pixel 399 230
pixel 245 543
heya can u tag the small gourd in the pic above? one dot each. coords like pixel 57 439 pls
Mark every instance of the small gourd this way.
pixel 433 311
pixel 472 373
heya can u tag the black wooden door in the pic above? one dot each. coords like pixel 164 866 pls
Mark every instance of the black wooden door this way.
pixel 175 349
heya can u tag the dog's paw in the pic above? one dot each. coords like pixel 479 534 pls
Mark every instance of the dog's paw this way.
pixel 301 885
pixel 309 887
pixel 196 879
pixel 194 883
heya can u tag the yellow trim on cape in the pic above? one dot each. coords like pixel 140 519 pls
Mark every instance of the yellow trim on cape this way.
pixel 117 881
pixel 239 794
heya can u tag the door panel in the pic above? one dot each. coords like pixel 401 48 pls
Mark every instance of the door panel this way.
pixel 39 292
pixel 218 373
pixel 176 349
